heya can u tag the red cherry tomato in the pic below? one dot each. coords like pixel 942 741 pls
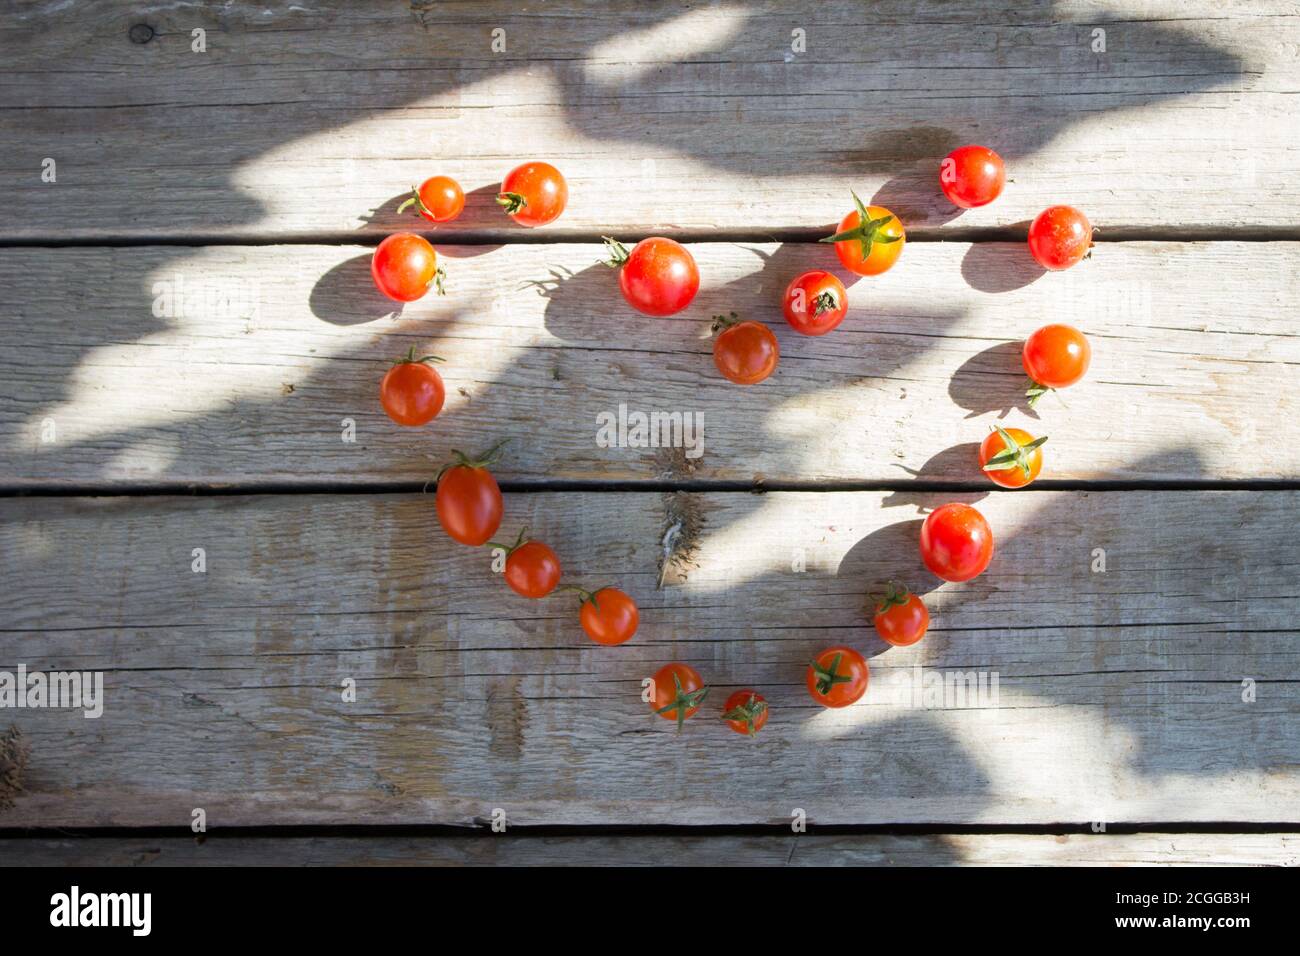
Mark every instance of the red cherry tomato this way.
pixel 411 391
pixel 608 615
pixel 469 501
pixel 972 176
pixel 437 199
pixel 658 277
pixel 678 692
pixel 534 194
pixel 532 569
pixel 838 677
pixel 815 303
pixel 745 712
pixel 1055 356
pixel 744 352
pixel 404 266
pixel 1011 457
pixel 956 542
pixel 901 618
pixel 1059 237
pixel 869 240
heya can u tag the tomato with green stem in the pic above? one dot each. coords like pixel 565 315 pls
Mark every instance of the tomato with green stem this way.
pixel 1011 456
pixel 815 303
pixel 532 569
pixel 745 712
pixel 1059 237
pixel 677 691
pixel 533 194
pixel 657 277
pixel 468 500
pixel 437 199
pixel 901 617
pixel 869 240
pixel 956 542
pixel 838 677
pixel 412 392
pixel 972 176
pixel 404 266
pixel 607 615
pixel 1055 356
pixel 744 352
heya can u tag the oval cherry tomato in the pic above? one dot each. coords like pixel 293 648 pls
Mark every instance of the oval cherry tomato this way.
pixel 411 391
pixel 468 500
pixel 745 712
pixel 608 615
pixel 901 618
pixel 956 542
pixel 534 194
pixel 658 277
pixel 1055 356
pixel 838 677
pixel 678 692
pixel 1011 457
pixel 404 266
pixel 869 240
pixel 815 303
pixel 744 352
pixel 1059 237
pixel 437 199
pixel 532 569
pixel 972 176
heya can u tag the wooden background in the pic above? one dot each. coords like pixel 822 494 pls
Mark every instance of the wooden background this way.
pixel 248 183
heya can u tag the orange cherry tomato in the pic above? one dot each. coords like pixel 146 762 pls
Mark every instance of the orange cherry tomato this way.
pixel 437 199
pixel 815 303
pixel 468 500
pixel 956 542
pixel 411 391
pixel 404 266
pixel 1011 457
pixel 608 615
pixel 1054 357
pixel 677 692
pixel 745 712
pixel 901 618
pixel 534 194
pixel 838 677
pixel 532 569
pixel 869 240
pixel 744 352
pixel 1059 237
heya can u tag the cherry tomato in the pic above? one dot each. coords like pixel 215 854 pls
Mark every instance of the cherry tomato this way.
pixel 745 712
pixel 815 303
pixel 956 542
pixel 972 176
pixel 744 352
pixel 869 240
pixel 532 569
pixel 534 194
pixel 1011 456
pixel 404 266
pixel 678 692
pixel 901 618
pixel 469 500
pixel 1055 356
pixel 658 277
pixel 437 199
pixel 838 677
pixel 1059 237
pixel 411 391
pixel 608 615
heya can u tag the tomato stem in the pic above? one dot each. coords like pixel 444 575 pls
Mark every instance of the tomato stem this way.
pixel 1013 454
pixel 459 458
pixel 721 322
pixel 410 359
pixel 896 595
pixel 439 277
pixel 415 200
pixel 828 677
pixel 825 303
pixel 512 202
pixel 510 549
pixel 867 231
pixel 618 253
pixel 682 701
pixel 749 712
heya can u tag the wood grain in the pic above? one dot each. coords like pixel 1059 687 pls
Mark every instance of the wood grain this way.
pixel 231 365
pixel 310 119
pixel 1164 689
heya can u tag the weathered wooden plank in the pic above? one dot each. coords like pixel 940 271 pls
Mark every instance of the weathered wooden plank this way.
pixel 1003 849
pixel 1162 689
pixel 229 365
pixel 310 118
